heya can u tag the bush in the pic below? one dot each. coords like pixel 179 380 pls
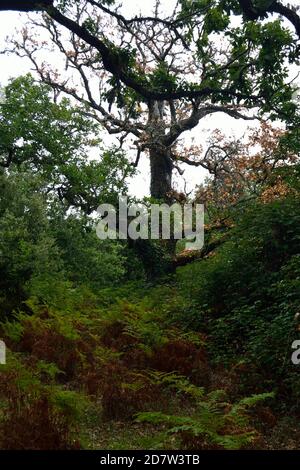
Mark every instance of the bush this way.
pixel 246 295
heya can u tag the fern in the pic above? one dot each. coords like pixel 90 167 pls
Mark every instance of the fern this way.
pixel 239 410
pixel 174 381
pixel 48 369
pixel 71 404
pixel 215 422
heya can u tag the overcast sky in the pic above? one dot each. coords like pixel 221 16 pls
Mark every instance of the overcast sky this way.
pixel 13 66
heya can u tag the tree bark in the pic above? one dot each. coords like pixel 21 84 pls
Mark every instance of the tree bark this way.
pixel 161 185
pixel 161 168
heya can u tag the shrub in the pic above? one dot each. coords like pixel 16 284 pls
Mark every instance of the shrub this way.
pixel 246 295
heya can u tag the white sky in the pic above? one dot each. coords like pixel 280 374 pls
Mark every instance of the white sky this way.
pixel 13 66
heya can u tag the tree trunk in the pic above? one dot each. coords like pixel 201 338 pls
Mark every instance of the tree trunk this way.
pixel 161 168
pixel 161 165
pixel 161 185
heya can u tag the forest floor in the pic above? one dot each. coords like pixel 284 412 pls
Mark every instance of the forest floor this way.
pixel 123 374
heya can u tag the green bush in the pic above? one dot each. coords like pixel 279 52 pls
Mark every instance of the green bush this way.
pixel 246 295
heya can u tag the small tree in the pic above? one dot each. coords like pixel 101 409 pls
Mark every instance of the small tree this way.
pixel 53 140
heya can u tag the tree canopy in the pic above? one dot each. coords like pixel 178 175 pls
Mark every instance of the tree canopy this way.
pixel 157 76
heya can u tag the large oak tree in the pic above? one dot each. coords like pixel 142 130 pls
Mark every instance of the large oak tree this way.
pixel 150 79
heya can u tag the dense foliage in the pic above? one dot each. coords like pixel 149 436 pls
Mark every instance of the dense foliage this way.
pixel 141 344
